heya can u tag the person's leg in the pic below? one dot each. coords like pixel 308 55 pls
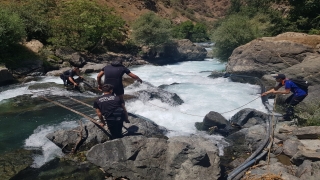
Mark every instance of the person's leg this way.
pixel 294 100
pixel 115 128
pixel 63 79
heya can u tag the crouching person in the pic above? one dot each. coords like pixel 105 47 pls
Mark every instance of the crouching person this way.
pixel 111 111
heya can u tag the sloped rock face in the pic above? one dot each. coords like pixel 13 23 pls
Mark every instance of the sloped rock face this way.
pixel 294 54
pixel 138 157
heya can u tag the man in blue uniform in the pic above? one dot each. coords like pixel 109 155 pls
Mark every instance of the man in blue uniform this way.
pixel 111 111
pixel 297 96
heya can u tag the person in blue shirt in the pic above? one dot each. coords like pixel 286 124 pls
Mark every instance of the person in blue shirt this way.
pixel 297 96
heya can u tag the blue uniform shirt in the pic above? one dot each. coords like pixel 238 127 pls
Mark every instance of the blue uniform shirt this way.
pixel 294 88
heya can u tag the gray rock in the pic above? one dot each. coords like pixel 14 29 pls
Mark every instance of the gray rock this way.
pixel 270 54
pixel 214 119
pixel 176 51
pixel 138 157
pixel 305 154
pixel 245 116
pixel 309 132
pixel 290 147
pixel 93 134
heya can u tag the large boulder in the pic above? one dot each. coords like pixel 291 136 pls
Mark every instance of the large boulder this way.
pixel 294 54
pixel 93 134
pixel 139 157
pixel 176 51
pixel 73 57
pixel 5 76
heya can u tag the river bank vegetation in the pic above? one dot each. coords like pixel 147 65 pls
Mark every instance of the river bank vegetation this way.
pixel 89 26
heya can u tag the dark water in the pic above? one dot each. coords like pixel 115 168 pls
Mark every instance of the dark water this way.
pixel 16 127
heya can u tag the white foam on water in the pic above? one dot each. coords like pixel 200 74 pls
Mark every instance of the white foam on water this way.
pixel 38 140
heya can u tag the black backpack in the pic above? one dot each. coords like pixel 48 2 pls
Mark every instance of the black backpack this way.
pixel 301 83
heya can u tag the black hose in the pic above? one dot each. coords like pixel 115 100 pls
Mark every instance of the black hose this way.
pixel 254 156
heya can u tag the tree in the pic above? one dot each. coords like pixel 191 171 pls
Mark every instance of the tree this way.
pixel 36 15
pixel 305 14
pixel 83 25
pixel 151 30
pixel 11 28
pixel 12 31
pixel 183 31
pixel 234 31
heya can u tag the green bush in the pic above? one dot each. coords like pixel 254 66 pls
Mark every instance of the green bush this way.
pixel 36 15
pixel 308 115
pixel 187 30
pixel 234 31
pixel 11 28
pixel 12 31
pixel 84 25
pixel 151 30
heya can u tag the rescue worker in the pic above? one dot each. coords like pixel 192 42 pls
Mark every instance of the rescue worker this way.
pixel 67 76
pixel 113 75
pixel 111 111
pixel 298 94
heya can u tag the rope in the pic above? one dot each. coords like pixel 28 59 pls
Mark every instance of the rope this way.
pixel 81 114
pixel 203 116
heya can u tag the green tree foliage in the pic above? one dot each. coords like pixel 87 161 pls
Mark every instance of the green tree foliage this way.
pixel 36 15
pixel 11 28
pixel 150 29
pixel 305 14
pixel 234 31
pixel 83 25
pixel 12 31
pixel 187 30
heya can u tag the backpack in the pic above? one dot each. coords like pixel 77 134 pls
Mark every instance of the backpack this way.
pixel 301 83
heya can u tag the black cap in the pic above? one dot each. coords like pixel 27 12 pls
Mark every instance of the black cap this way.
pixel 279 76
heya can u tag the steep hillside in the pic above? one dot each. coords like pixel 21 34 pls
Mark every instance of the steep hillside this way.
pixel 176 10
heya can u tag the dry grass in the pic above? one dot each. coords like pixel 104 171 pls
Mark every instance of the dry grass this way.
pixel 268 176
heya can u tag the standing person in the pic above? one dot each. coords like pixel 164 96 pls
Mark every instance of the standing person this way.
pixel 113 75
pixel 67 76
pixel 111 111
pixel 297 96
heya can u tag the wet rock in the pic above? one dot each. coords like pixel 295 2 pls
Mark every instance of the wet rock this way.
pixel 12 163
pixel 152 92
pixel 6 77
pixel 61 169
pixel 93 134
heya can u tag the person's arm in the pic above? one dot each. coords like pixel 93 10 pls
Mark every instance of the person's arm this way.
pixel 78 74
pixel 101 73
pixel 135 77
pixel 102 122
pixel 276 90
pixel 72 81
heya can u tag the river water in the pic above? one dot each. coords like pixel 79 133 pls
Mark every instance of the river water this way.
pixel 189 80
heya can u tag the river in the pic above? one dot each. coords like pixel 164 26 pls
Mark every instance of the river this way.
pixel 189 80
